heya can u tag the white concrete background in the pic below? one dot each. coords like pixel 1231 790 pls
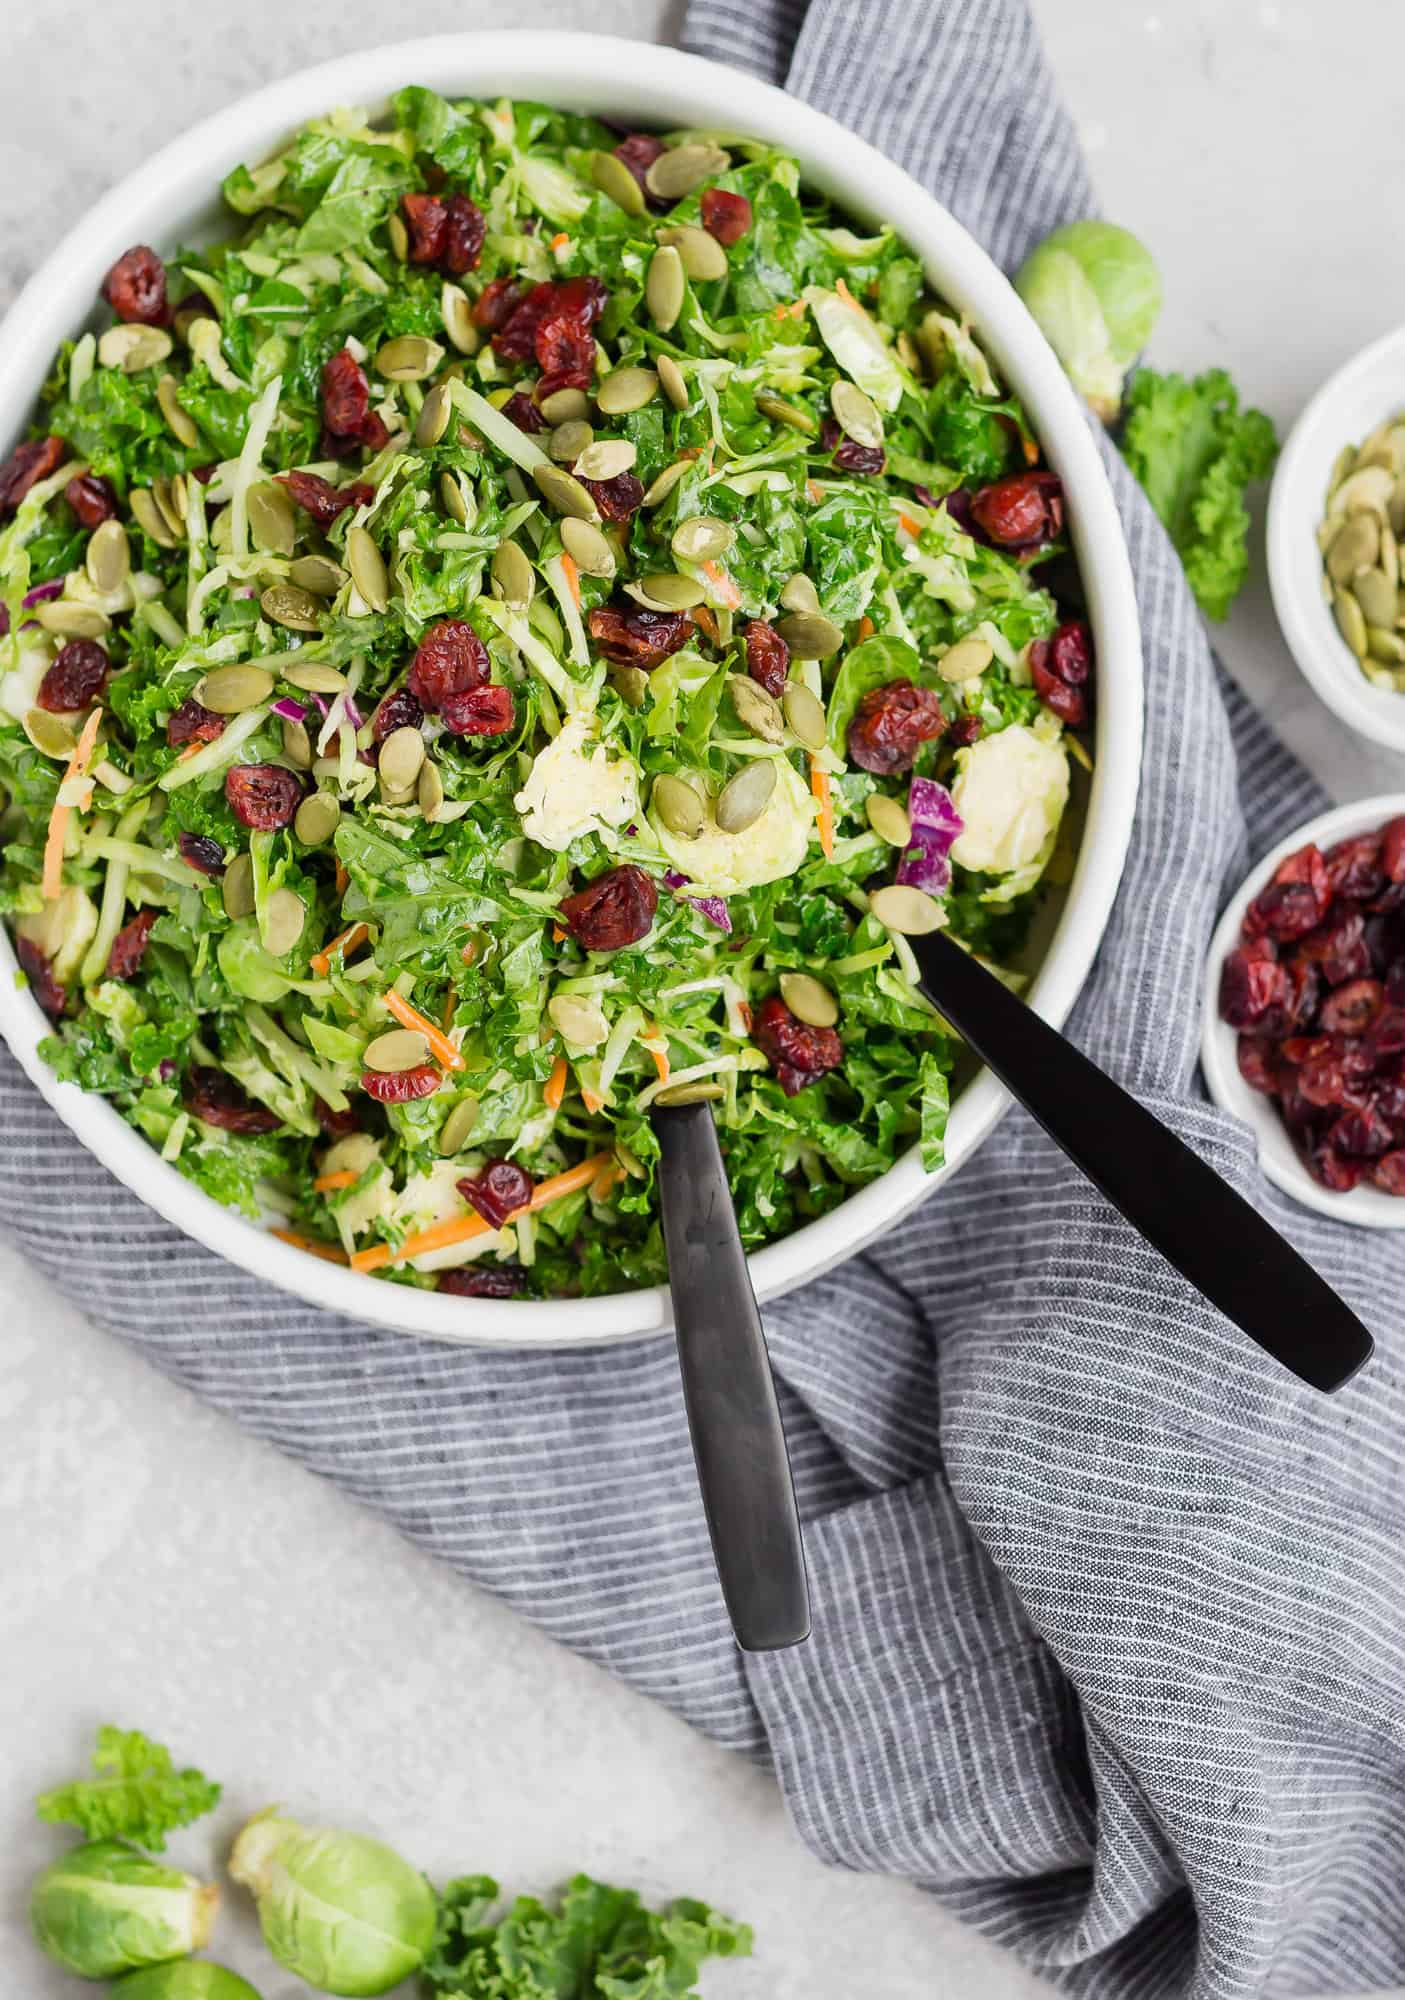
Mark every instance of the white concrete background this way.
pixel 159 1568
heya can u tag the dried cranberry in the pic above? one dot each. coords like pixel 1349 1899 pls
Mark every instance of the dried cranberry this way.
pixel 1248 988
pixel 519 409
pixel 129 946
pixel 402 1085
pixel 638 152
pixel 92 498
pixel 135 287
pixel 28 463
pixel 632 636
pixel 866 460
pixel 1257 1064
pixel 336 1124
pixel 1322 1081
pixel 498 301
pixel 725 215
pixel 1295 901
pixel 1361 1131
pixel 426 222
pixel 1353 868
pixel 203 853
pixel 192 722
pixel 1353 1008
pixel 482 1281
pixel 1387 1034
pixel 1060 667
pixel 578 299
pixel 565 351
pixel 499 1190
pixel 216 1099
pixel 346 404
pixel 891 724
pixel 1389 1173
pixel 966 730
pixel 38 969
pixel 400 709
pixel 767 656
pixel 319 498
pixel 264 796
pixel 619 499
pixel 450 659
pixel 1339 946
pixel 485 711
pixel 1333 1169
pixel 75 678
pixel 616 909
pixel 465 227
pixel 1021 512
pixel 797 1052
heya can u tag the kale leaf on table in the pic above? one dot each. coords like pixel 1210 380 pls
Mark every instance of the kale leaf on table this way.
pixel 137 1793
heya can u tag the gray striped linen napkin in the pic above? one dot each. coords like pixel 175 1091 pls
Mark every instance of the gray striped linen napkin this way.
pixel 1108 1649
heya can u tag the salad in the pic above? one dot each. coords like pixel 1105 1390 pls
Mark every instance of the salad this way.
pixel 522 630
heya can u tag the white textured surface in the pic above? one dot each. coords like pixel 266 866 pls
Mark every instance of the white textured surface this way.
pixel 156 1566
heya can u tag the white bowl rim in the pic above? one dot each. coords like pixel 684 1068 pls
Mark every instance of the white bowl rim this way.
pixel 1367 1207
pixel 1297 498
pixel 654 84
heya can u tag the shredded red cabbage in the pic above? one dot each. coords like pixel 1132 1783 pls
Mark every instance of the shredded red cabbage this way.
pixel 714 908
pixel 935 826
pixel 290 710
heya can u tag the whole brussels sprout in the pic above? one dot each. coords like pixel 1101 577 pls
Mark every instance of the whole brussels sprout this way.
pixel 103 1909
pixel 1096 294
pixel 185 1979
pixel 342 1911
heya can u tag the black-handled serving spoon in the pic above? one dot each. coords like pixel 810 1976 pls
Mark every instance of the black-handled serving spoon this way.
pixel 735 1420
pixel 1210 1234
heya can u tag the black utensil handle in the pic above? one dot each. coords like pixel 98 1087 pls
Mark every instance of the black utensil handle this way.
pixel 735 1420
pixel 1200 1225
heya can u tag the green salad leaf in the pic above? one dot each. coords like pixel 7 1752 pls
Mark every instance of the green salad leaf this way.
pixel 136 1794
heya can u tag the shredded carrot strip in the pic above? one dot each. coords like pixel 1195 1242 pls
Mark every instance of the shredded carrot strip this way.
pixel 744 1009
pixel 659 1052
pixel 58 818
pixel 190 750
pixel 462 1228
pixel 792 311
pixel 469 952
pixel 867 628
pixel 342 879
pixel 325 1183
pixel 819 785
pixel 1030 449
pixel 451 1001
pixel 556 1084
pixel 722 585
pixel 814 491
pixel 560 240
pixel 439 1043
pixel 605 1180
pixel 846 295
pixel 704 621
pixel 328 1252
pixel 592 1102
pixel 558 936
pixel 572 575
pixel 909 526
pixel 345 942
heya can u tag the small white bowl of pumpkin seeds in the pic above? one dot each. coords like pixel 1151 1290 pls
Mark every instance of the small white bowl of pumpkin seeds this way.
pixel 1336 541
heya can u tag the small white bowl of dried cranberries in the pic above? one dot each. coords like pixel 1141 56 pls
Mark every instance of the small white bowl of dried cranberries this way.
pixel 1304 1032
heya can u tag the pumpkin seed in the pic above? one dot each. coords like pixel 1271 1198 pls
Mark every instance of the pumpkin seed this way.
pixel 317 819
pixel 565 406
pixel 664 590
pixel 284 916
pixel 169 495
pixel 1370 489
pixel 513 576
pixel 367 566
pixel 702 256
pixel 1377 596
pixel 1351 622
pixel 196 308
pixel 677 805
pixel 319 574
pixel 286 605
pixel 297 744
pixel 408 358
pixel 108 557
pixel 805 714
pixel 1396 508
pixel 453 1133
pixel 782 412
pixel 429 790
pixel 569 440
pixel 967 659
pixel 564 493
pixel 607 459
pixel 682 168
pixel 457 315
pixel 400 758
pixel 799 594
pixel 314 677
pixel 1390 558
pixel 756 710
pixel 587 547
pixel 617 183
pixel 910 912
pixel 237 887
pixel 701 1091
pixel 672 381
pixel 399 237
pixel 665 287
pixel 272 523
pixel 702 538
pixel 856 414
pixel 400 1049
pixel 907 353
pixel 179 422
pixel 50 736
pixel 631 684
pixel 452 499
pixel 433 419
pixel 809 1000
pixel 810 635
pixel 231 690
pixel 626 389
pixel 1381 453
pixel 578 1020
pixel 666 481
pixel 72 621
pixel 744 798
pixel 888 818
pixel 1384 646
pixel 132 348
pixel 149 518
pixel 396 795
pixel 1355 547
